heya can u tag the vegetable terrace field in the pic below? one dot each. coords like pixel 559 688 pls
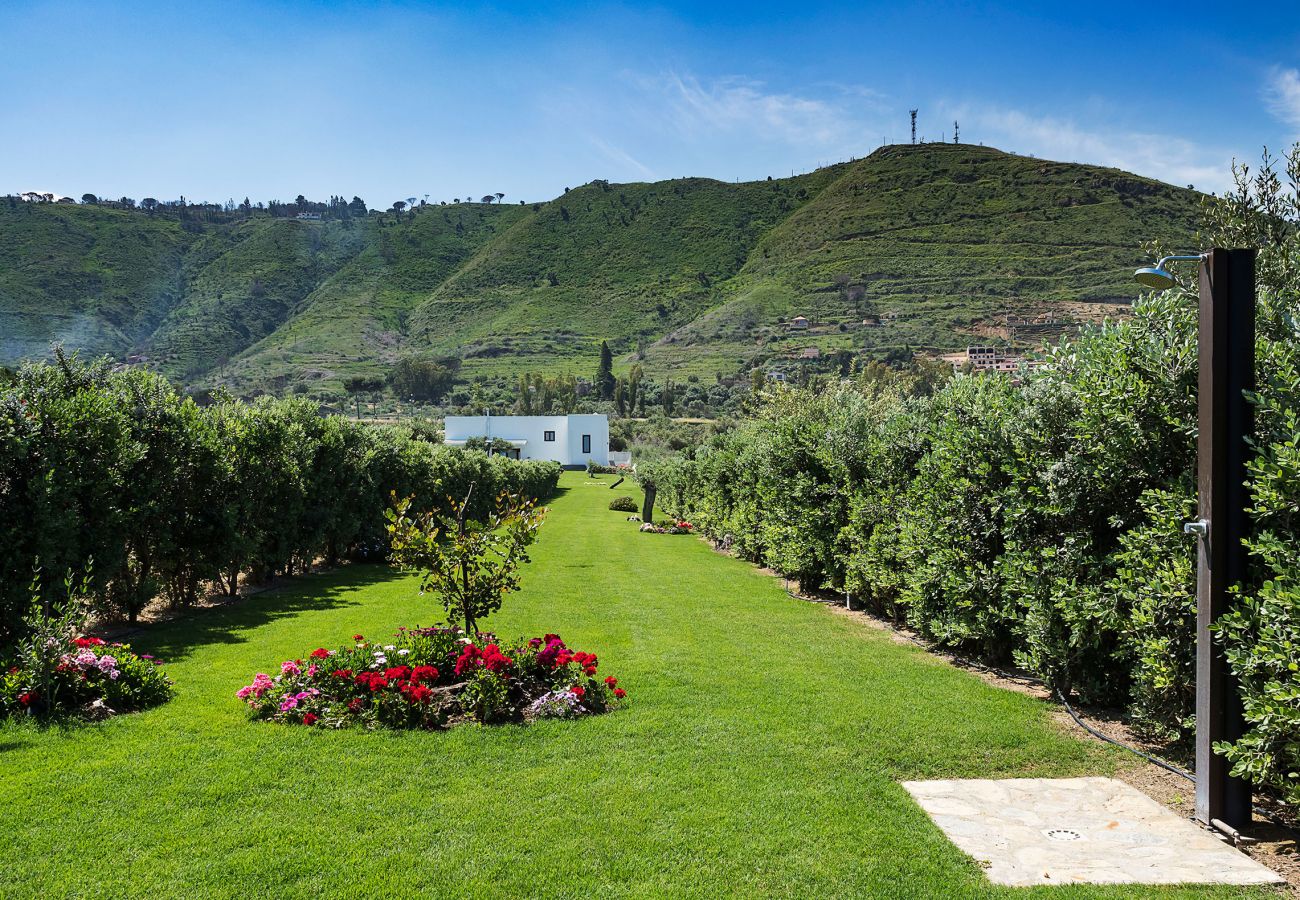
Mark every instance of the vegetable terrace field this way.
pixel 759 753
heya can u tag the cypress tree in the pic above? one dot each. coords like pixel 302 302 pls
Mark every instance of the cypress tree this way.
pixel 605 372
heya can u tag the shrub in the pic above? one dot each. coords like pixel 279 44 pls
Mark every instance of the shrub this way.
pixel 167 496
pixel 623 504
pixel 433 678
pixel 58 672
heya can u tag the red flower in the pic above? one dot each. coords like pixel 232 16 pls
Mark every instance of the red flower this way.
pixel 620 693
pixel 27 699
pixel 357 637
pixel 309 719
pixel 490 658
pixel 342 673
pixel 372 680
pixel 356 704
pixel 320 653
pixel 88 642
pixel 425 674
pixel 468 659
pixel 590 670
pixel 398 673
pixel 577 691
pixel 550 637
pixel 611 681
pixel 416 693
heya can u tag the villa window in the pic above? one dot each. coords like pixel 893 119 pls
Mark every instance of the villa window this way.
pixel 548 436
pixel 586 443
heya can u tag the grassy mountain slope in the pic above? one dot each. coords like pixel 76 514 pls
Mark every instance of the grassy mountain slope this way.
pixel 96 278
pixel 624 262
pixel 935 240
pixel 242 283
pixel 355 322
pixel 939 243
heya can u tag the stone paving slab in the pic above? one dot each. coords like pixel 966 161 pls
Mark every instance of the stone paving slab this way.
pixel 1028 831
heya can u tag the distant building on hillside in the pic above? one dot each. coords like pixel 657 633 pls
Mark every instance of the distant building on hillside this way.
pixel 568 440
pixel 990 359
pixel 810 353
pixel 308 217
pixel 798 323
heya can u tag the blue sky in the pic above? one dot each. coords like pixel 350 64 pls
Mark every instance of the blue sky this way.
pixel 392 100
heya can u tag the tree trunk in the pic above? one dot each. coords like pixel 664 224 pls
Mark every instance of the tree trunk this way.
pixel 648 508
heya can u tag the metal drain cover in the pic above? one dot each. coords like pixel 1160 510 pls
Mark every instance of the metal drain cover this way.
pixel 1062 834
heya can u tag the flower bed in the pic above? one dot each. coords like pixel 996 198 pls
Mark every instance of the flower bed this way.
pixel 670 528
pixel 84 677
pixel 433 678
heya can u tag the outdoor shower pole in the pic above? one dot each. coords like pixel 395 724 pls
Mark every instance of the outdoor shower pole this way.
pixel 1226 353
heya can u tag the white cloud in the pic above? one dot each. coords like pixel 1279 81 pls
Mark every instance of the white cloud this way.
pixel 741 105
pixel 625 160
pixel 1283 95
pixel 1169 158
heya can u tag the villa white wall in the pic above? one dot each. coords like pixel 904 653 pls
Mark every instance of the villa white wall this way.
pixel 566 449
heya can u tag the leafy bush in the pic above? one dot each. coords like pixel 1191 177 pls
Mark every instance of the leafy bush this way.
pixel 58 672
pixel 433 678
pixel 623 504
pixel 167 496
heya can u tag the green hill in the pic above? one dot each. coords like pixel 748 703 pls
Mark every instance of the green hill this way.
pixel 924 247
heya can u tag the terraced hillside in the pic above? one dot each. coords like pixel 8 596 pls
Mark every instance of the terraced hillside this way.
pixel 937 243
pixel 919 247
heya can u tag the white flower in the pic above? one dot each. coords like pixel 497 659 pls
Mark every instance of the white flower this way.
pixel 403 652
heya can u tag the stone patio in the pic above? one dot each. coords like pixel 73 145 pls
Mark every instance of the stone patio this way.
pixel 1028 831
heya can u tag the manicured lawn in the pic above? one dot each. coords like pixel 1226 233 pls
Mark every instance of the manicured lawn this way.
pixel 760 754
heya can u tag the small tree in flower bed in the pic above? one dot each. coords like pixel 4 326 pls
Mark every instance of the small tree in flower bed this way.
pixel 471 565
pixel 433 678
pixel 57 672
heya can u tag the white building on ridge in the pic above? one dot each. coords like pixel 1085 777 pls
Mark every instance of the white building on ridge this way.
pixel 569 440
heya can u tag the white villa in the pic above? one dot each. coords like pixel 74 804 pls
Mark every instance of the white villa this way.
pixel 569 440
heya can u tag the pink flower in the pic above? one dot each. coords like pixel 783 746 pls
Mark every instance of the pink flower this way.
pixel 289 667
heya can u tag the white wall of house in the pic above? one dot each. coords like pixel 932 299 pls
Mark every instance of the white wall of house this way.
pixel 569 440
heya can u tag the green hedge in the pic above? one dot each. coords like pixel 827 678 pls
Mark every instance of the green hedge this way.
pixel 1037 521
pixel 166 496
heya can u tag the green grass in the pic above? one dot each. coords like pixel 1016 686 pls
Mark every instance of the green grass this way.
pixel 760 754
pixel 700 271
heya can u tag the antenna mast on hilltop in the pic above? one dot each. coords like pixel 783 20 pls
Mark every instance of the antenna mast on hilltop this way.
pixel 955 132
pixel 914 112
